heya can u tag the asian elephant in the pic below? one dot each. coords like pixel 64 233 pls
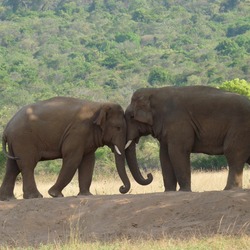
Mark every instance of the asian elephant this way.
pixel 67 128
pixel 192 119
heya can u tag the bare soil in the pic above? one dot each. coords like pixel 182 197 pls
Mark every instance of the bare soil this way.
pixel 109 217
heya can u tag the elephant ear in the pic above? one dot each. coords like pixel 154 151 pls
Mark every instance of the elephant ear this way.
pixel 142 110
pixel 102 117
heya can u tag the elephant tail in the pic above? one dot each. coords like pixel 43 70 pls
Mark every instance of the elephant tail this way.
pixel 4 142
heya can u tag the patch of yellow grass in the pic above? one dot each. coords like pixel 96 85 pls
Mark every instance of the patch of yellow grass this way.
pixel 211 243
pixel 201 181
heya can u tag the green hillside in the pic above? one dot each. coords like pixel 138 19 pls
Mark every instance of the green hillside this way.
pixel 104 50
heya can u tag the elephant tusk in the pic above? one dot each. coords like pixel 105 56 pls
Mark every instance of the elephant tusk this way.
pixel 128 144
pixel 117 150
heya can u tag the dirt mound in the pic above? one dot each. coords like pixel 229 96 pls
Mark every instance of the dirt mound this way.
pixel 173 214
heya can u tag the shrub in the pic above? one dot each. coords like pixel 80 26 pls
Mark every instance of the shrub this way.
pixel 113 59
pixel 157 75
pixel 208 162
pixel 237 30
pixel 227 48
pixel 130 36
pixel 237 85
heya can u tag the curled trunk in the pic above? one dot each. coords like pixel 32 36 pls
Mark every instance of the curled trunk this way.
pixel 120 165
pixel 133 166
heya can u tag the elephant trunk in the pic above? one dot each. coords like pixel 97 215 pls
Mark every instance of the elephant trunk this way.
pixel 120 165
pixel 133 166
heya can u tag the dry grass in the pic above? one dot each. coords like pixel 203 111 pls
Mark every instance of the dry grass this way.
pixel 201 181
pixel 212 243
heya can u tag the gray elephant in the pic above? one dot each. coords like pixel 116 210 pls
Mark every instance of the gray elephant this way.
pixel 192 119
pixel 67 128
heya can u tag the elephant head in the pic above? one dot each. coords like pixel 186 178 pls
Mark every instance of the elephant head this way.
pixel 139 120
pixel 111 123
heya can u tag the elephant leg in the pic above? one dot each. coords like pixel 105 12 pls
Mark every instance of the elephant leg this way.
pixel 71 161
pixel 27 168
pixel 180 160
pixel 7 187
pixel 235 173
pixel 85 173
pixel 169 178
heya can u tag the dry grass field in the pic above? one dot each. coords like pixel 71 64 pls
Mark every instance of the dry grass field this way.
pixel 201 181
pixel 146 218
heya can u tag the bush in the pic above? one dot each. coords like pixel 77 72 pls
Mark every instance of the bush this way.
pixel 237 85
pixel 105 161
pixel 237 30
pixel 157 75
pixel 130 36
pixel 148 153
pixel 208 162
pixel 113 59
pixel 244 42
pixel 141 15
pixel 49 167
pixel 228 48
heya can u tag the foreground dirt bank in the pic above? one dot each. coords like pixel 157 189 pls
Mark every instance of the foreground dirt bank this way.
pixel 157 215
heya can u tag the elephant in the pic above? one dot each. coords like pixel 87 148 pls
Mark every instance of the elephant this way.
pixel 67 128
pixel 190 119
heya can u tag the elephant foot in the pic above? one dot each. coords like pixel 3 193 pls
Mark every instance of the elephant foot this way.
pixel 185 189
pixel 32 195
pixel 7 197
pixel 232 188
pixel 85 193
pixel 227 187
pixel 55 193
pixel 170 189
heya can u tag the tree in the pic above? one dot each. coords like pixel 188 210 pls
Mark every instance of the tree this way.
pixel 229 5
pixel 129 36
pixel 113 59
pixel 228 47
pixel 14 4
pixel 208 162
pixel 239 86
pixel 238 29
pixel 157 75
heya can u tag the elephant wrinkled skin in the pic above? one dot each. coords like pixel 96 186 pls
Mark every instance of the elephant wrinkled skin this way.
pixel 192 119
pixel 67 128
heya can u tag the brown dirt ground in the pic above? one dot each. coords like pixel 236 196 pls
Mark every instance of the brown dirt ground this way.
pixel 108 217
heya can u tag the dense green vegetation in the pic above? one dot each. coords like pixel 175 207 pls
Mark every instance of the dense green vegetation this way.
pixel 104 50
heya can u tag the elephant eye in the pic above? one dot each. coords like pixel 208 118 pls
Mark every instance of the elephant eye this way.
pixel 118 128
